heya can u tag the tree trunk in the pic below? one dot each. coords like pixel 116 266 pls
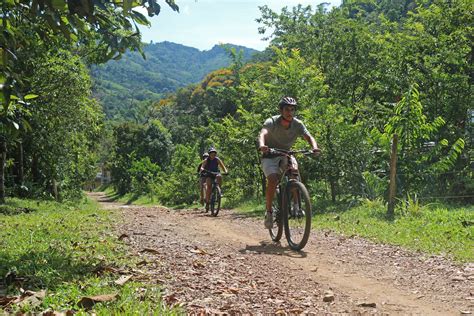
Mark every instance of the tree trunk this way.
pixel 54 187
pixel 393 173
pixel 21 169
pixel 3 159
pixel 332 182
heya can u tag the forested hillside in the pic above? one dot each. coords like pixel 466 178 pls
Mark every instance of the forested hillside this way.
pixel 122 85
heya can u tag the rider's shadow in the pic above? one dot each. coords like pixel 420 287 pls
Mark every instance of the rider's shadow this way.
pixel 273 248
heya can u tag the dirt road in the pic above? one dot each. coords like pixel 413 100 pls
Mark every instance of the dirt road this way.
pixel 227 265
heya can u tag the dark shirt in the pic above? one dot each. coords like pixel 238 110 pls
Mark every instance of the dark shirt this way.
pixel 212 164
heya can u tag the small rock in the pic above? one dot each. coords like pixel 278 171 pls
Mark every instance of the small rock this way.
pixel 367 304
pixel 328 296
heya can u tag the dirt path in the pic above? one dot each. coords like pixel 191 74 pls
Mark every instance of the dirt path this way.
pixel 228 265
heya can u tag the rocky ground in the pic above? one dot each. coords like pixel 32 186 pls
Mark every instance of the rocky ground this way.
pixel 228 265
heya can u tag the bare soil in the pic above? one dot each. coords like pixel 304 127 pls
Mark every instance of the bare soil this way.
pixel 228 265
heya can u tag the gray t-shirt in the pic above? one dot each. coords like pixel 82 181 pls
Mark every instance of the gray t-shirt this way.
pixel 280 137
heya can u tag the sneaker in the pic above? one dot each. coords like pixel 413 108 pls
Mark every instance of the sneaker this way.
pixel 268 220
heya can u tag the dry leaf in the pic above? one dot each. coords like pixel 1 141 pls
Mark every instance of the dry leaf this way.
pixel 198 264
pixel 6 300
pixel 233 290
pixel 199 251
pixel 89 301
pixel 365 304
pixel 123 236
pixel 123 279
pixel 150 250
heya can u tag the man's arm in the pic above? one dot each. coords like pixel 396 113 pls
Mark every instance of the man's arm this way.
pixel 261 140
pixel 310 139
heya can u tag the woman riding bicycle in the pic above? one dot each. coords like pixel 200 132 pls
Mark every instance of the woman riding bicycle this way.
pixel 212 164
pixel 280 131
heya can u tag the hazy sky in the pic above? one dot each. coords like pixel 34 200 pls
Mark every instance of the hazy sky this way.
pixel 205 23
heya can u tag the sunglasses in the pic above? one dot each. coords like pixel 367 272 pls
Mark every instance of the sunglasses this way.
pixel 289 109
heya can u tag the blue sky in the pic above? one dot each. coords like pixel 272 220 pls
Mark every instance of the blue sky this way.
pixel 205 23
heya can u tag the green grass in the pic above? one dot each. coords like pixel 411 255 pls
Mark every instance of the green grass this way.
pixel 252 208
pixel 130 198
pixel 60 248
pixel 432 229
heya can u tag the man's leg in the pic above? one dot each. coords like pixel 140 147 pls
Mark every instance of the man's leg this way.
pixel 272 183
pixel 271 168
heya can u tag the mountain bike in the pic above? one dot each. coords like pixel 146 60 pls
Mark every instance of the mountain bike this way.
pixel 291 207
pixel 216 194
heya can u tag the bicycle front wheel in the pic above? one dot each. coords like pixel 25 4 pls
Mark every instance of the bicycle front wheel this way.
pixel 215 200
pixel 297 215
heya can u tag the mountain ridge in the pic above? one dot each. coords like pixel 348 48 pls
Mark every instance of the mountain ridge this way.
pixel 120 85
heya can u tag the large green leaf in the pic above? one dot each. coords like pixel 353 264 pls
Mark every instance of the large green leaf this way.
pixel 140 18
pixel 30 96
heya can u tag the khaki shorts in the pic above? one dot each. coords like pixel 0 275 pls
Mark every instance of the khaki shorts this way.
pixel 275 165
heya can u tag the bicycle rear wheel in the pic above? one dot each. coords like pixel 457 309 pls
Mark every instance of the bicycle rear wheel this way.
pixel 277 230
pixel 215 200
pixel 297 215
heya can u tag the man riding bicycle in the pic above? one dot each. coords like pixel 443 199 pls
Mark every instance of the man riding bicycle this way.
pixel 212 163
pixel 280 131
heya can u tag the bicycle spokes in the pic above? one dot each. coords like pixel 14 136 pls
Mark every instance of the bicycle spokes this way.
pixel 215 200
pixel 298 212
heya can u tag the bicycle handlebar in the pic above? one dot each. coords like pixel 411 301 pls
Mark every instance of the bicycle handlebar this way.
pixel 215 173
pixel 283 152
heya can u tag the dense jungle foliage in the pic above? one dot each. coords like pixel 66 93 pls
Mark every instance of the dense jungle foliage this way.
pixel 360 72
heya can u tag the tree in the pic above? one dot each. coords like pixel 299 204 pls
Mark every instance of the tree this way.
pixel 111 26
pixel 65 124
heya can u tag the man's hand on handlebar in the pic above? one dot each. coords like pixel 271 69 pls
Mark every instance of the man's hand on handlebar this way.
pixel 316 152
pixel 264 149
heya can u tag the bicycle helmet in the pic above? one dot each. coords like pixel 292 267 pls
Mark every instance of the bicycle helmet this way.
pixel 212 150
pixel 287 101
pixel 205 155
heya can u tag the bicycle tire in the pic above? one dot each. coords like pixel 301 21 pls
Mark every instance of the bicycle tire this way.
pixel 215 200
pixel 297 222
pixel 277 231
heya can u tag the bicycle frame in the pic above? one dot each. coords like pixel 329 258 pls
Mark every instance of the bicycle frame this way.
pixel 215 192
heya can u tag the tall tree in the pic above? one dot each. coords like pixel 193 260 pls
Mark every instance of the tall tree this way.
pixel 111 26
